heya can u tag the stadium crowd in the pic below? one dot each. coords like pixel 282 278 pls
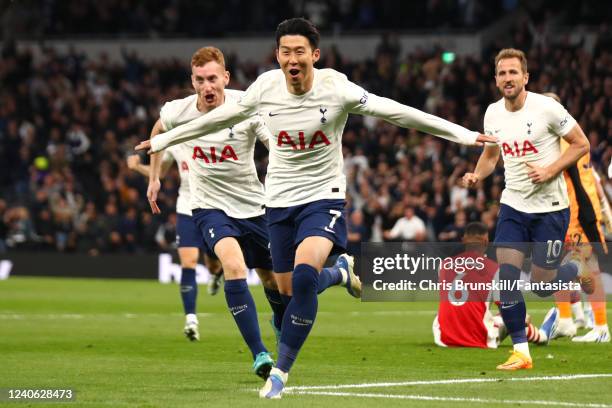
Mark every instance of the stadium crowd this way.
pixel 67 124
pixel 163 18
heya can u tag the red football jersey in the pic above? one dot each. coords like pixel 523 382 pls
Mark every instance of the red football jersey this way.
pixel 463 315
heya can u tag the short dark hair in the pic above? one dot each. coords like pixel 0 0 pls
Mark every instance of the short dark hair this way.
pixel 299 26
pixel 476 228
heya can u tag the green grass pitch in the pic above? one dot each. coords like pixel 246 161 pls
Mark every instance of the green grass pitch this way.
pixel 119 343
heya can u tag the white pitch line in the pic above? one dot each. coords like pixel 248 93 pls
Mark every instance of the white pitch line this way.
pixel 9 315
pixel 453 381
pixel 454 399
pixel 71 316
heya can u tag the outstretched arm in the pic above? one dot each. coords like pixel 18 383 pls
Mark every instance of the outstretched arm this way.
pixel 226 115
pixel 361 102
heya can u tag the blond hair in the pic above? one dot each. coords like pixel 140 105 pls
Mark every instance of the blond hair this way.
pixel 511 53
pixel 207 54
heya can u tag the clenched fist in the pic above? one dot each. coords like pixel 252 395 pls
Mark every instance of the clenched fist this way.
pixel 470 180
pixel 133 161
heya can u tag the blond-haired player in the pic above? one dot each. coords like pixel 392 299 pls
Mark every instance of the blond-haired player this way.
pixel 226 195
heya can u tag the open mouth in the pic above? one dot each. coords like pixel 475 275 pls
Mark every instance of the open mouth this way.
pixel 508 87
pixel 294 72
pixel 210 98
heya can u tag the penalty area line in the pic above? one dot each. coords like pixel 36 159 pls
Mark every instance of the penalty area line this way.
pixel 450 399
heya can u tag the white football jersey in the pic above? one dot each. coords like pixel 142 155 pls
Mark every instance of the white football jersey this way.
pixel 181 156
pixel 305 150
pixel 222 169
pixel 530 135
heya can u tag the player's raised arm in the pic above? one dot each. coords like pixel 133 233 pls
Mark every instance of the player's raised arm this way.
pixel 133 163
pixel 488 158
pixel 485 166
pixel 359 101
pixel 224 116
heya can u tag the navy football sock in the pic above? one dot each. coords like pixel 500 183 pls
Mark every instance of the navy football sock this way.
pixel 189 290
pixel 567 273
pixel 241 305
pixel 299 316
pixel 277 305
pixel 286 299
pixel 512 307
pixel 329 277
pixel 514 319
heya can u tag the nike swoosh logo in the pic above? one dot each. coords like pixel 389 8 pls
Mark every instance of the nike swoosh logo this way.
pixel 239 311
pixel 273 114
pixel 298 323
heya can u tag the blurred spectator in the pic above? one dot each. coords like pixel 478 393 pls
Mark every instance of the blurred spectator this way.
pixel 453 232
pixel 408 228
pixel 3 226
pixel 166 234
pixel 172 18
pixel 20 234
pixel 90 231
pixel 148 231
pixel 110 228
pixel 128 228
pixel 357 233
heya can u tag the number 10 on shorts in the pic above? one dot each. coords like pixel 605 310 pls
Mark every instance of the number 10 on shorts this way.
pixel 553 250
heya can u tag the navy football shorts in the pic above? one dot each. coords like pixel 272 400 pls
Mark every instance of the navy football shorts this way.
pixel 289 226
pixel 188 235
pixel 251 233
pixel 539 234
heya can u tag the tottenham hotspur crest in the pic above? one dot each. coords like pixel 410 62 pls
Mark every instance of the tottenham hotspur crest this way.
pixel 323 118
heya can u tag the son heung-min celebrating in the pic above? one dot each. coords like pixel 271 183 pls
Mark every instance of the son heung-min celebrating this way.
pixel 306 110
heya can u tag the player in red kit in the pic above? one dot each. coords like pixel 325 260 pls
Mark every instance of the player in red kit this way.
pixel 464 318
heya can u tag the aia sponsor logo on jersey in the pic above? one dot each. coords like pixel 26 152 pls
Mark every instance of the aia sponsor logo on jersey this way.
pixel 518 149
pixel 302 144
pixel 210 155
